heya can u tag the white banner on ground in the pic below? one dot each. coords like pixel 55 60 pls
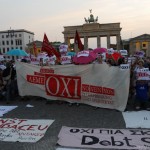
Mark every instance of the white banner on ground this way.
pixel 94 84
pixel 104 138
pixel 23 130
pixel 6 109
pixel 137 119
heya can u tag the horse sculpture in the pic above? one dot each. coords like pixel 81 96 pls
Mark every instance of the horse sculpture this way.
pixel 96 19
pixel 91 19
pixel 86 20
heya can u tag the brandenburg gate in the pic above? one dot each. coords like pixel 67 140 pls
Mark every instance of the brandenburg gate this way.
pixel 92 28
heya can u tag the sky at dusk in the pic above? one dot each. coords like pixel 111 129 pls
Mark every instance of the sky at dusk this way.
pixel 50 16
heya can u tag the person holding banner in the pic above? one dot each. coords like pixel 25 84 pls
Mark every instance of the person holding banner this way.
pixel 98 60
pixel 141 87
pixel 141 100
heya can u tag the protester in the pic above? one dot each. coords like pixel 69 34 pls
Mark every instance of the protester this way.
pixel 141 89
pixel 2 91
pixel 99 60
pixel 141 99
pixel 7 81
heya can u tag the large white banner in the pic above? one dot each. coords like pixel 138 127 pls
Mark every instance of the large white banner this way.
pixel 94 84
pixel 104 138
pixel 23 130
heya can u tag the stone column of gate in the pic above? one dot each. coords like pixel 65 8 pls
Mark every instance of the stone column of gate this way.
pixel 108 41
pixel 148 49
pixel 67 41
pixel 85 42
pixel 118 41
pixel 140 45
pixel 98 41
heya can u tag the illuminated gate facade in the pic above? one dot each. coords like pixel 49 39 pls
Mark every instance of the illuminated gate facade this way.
pixel 93 29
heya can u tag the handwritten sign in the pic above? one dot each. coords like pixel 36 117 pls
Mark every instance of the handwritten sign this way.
pixel 143 74
pixel 124 66
pixel 23 130
pixel 66 60
pixel 102 138
pixel 140 54
pixel 110 51
pixel 63 48
pixel 52 60
pixel 123 52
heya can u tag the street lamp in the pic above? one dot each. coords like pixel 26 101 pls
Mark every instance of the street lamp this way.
pixel 10 33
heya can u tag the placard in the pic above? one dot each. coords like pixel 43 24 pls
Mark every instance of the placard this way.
pixel 23 130
pixel 124 66
pixel 103 138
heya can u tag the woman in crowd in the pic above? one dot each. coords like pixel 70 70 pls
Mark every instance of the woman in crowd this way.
pixel 141 89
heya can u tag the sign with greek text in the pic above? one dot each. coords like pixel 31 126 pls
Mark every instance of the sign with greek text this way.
pixel 83 53
pixel 124 66
pixel 143 74
pixel 66 60
pixel 104 138
pixel 23 130
pixel 91 84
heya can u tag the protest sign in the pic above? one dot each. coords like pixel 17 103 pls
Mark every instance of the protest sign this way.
pixel 91 84
pixel 66 60
pixel 123 52
pixel 83 53
pixel 104 138
pixel 23 130
pixel 52 60
pixel 110 51
pixel 139 54
pixel 124 66
pixel 143 74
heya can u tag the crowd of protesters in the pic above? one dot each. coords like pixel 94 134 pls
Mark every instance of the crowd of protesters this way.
pixel 8 81
pixel 139 89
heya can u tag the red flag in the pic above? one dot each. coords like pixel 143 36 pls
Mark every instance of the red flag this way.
pixel 78 41
pixel 34 48
pixel 47 47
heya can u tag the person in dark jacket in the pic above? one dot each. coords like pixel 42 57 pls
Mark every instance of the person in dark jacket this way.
pixel 8 77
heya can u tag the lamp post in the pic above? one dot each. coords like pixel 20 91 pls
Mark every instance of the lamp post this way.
pixel 11 35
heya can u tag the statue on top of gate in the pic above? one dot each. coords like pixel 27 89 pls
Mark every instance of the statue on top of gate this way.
pixel 91 19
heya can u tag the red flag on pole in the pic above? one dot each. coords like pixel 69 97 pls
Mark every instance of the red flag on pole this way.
pixel 78 41
pixel 34 48
pixel 47 47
